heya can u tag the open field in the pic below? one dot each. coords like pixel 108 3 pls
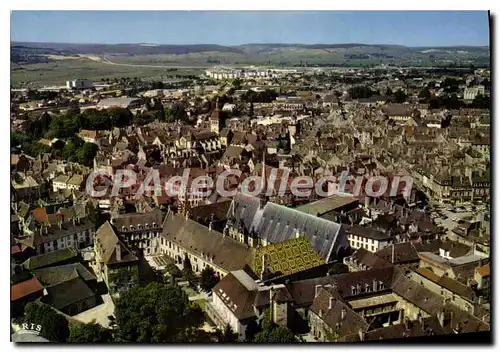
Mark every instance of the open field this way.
pixel 57 73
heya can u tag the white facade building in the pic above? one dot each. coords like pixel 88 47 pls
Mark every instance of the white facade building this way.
pixel 79 84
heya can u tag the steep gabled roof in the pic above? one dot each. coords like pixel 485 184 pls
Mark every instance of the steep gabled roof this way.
pixel 337 314
pixel 51 258
pixel 276 223
pixel 196 238
pixel 236 294
pixel 25 288
pixel 108 241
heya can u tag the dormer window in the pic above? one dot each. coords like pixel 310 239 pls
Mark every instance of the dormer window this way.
pixel 132 228
pixel 146 225
pixel 353 290
pixel 124 228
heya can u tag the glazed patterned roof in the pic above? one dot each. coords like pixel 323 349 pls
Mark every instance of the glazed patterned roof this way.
pixel 288 257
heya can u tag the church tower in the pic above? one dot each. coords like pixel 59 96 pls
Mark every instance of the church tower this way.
pixel 214 118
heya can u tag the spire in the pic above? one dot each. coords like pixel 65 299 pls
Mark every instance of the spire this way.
pixel 263 176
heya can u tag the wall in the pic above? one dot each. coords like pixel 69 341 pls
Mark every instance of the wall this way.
pixel 454 299
pixel 178 253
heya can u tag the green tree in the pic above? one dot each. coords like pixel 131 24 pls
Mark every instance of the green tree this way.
pixel 69 151
pixel 120 117
pixel 95 215
pixel 450 85
pixel 55 327
pixel 174 270
pixel 359 92
pixel 85 155
pixel 425 93
pixel 433 102
pixel 187 268
pixel 187 271
pixel 208 279
pixel 167 115
pixel 157 313
pixel 400 96
pixel 45 121
pixel 17 138
pixel 91 332
pixel 275 334
pixel 481 102
pixel 236 83
pixel 228 335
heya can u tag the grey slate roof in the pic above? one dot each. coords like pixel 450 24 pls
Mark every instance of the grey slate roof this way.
pixel 276 223
pixel 68 292
pixel 58 274
pixel 196 238
pixel 51 258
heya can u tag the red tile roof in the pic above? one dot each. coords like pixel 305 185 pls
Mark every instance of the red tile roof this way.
pixel 25 288
pixel 484 270
pixel 41 215
pixel 15 249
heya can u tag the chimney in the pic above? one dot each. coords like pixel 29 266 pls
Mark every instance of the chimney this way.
pixel 343 314
pixel 316 290
pixel 271 303
pixel 264 267
pixel 211 222
pixel 374 285
pixel 330 303
pixel 263 201
pixel 392 255
pixel 118 252
pixel 361 334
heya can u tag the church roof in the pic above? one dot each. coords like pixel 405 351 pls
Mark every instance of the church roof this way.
pixel 276 223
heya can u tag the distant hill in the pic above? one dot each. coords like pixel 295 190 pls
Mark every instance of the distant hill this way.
pixel 263 53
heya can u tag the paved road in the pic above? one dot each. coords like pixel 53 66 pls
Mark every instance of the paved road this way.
pixel 107 61
pixel 203 295
pixel 449 223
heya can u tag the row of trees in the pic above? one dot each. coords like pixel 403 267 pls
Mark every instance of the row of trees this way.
pixel 266 96
pixel 363 92
pixel 451 101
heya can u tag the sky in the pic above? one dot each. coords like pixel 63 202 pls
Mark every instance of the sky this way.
pixel 410 28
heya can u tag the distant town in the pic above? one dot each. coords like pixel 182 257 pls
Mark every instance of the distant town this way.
pixel 266 267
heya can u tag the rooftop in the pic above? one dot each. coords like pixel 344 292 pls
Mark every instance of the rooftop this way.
pixel 25 288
